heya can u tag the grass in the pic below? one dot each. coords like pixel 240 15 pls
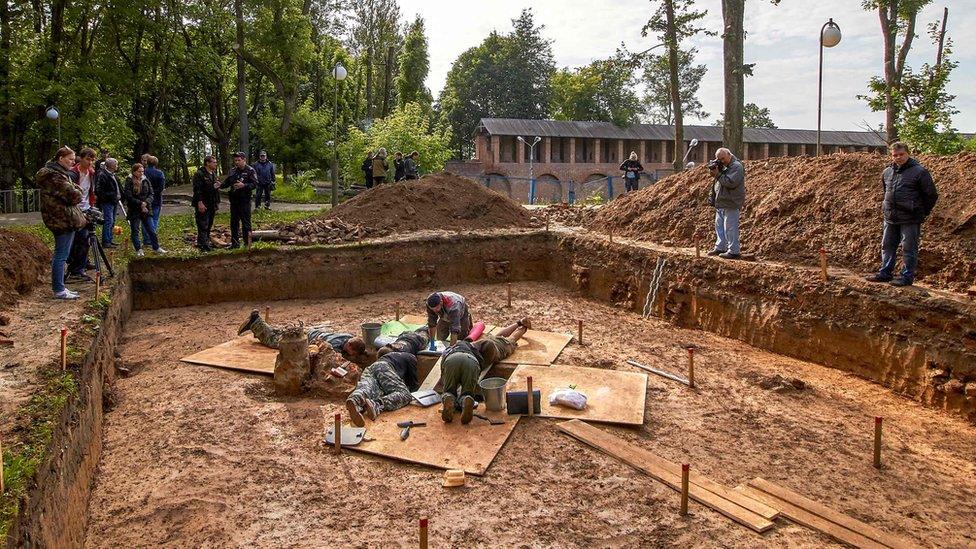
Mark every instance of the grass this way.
pixel 298 190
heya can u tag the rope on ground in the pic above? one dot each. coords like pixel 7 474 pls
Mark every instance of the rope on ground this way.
pixel 653 288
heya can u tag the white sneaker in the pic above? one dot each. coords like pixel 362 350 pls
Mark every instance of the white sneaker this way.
pixel 66 294
pixel 140 253
pixel 159 251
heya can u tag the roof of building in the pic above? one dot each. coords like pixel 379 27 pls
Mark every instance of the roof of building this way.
pixel 607 130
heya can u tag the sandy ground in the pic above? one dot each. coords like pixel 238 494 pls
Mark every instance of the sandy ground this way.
pixel 196 456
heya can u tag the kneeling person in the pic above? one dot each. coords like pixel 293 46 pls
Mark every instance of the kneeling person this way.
pixel 448 316
pixel 385 386
pixel 351 348
pixel 408 342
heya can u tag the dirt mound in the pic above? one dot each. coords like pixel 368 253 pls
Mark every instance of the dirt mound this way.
pixel 571 216
pixel 25 259
pixel 438 201
pixel 796 205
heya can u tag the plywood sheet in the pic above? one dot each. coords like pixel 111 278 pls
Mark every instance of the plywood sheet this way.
pixel 611 396
pixel 470 447
pixel 537 347
pixel 243 353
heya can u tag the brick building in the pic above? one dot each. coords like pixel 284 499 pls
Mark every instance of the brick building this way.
pixel 582 158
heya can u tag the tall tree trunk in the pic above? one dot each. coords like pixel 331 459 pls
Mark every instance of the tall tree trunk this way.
pixel 671 39
pixel 942 34
pixel 889 28
pixel 387 73
pixel 8 171
pixel 733 12
pixel 245 140
pixel 369 82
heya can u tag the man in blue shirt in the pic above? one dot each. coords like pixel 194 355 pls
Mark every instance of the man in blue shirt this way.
pixel 266 180
pixel 157 179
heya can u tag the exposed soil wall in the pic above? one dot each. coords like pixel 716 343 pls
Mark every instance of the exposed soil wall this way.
pixel 25 258
pixel 55 511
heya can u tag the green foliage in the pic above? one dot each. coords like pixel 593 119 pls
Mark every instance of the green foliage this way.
pixel 304 145
pixel 657 96
pixel 407 129
pixel 602 90
pixel 753 116
pixel 414 66
pixel 298 189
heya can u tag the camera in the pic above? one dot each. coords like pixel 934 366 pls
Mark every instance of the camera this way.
pixel 94 217
pixel 714 164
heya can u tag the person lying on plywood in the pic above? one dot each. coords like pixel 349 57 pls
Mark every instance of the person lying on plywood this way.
pixel 408 342
pixel 385 386
pixel 447 313
pixel 464 361
pixel 351 348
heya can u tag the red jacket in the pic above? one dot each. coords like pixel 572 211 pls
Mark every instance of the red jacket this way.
pixel 91 182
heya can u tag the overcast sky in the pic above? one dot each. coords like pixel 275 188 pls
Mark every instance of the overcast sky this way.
pixel 781 40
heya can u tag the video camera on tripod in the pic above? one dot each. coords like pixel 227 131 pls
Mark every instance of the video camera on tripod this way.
pixel 94 217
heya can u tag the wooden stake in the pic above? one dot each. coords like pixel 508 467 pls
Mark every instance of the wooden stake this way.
pixel 684 488
pixel 877 442
pixel 64 348
pixel 823 263
pixel 664 300
pixel 337 436
pixel 398 310
pixel 528 383
pixel 579 338
pixel 98 283
pixel 697 249
pixel 691 367
pixel 1 466
pixel 248 236
pixel 423 533
pixel 547 223
pixel 267 313
pixel 694 304
pixel 509 294
pixel 611 235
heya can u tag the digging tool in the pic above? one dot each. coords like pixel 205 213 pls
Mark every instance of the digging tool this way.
pixel 406 427
pixel 490 420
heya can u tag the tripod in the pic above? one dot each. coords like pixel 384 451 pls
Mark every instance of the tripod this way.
pixel 98 252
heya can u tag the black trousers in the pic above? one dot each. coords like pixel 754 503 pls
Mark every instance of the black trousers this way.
pixel 264 190
pixel 78 257
pixel 204 225
pixel 240 217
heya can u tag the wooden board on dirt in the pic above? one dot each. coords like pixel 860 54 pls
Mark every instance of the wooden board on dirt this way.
pixel 611 396
pixel 539 348
pixel 662 470
pixel 470 447
pixel 243 354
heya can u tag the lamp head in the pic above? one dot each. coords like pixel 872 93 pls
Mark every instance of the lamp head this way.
pixel 830 36
pixel 52 113
pixel 520 139
pixel 694 142
pixel 339 72
pixel 690 165
pixel 537 139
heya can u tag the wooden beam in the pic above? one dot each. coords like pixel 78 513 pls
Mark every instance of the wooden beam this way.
pixel 660 469
pixel 432 378
pixel 661 373
pixel 829 514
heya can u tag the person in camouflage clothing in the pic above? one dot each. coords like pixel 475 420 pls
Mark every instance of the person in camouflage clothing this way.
pixel 385 386
pixel 351 348
pixel 408 342
pixel 61 214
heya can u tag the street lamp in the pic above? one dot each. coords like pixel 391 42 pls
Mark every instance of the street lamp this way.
pixel 829 37
pixel 531 160
pixel 53 114
pixel 339 73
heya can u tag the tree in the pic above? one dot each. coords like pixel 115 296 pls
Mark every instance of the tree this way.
pixel 895 16
pixel 602 90
pixel 753 116
pixel 657 100
pixel 733 36
pixel 414 64
pixel 676 21
pixel 375 38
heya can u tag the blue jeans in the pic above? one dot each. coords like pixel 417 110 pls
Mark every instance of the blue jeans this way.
pixel 727 230
pixel 909 236
pixel 148 231
pixel 108 211
pixel 153 221
pixel 62 246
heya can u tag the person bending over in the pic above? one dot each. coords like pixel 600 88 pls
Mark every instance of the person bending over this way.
pixel 447 313
pixel 463 363
pixel 351 348
pixel 408 342
pixel 385 386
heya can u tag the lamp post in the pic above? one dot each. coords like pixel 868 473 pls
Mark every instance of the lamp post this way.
pixel 339 73
pixel 829 37
pixel 53 114
pixel 531 161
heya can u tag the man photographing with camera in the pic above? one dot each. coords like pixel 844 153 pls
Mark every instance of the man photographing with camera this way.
pixel 727 195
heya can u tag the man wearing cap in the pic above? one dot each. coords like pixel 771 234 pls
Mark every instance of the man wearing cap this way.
pixel 448 316
pixel 266 180
pixel 241 180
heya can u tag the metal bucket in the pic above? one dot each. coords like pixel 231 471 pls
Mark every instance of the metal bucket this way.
pixel 371 331
pixel 493 388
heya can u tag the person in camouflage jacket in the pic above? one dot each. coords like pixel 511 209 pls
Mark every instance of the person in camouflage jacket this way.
pixel 61 214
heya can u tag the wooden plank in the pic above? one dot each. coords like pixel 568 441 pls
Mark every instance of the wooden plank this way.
pixel 662 373
pixel 832 515
pixel 650 464
pixel 243 353
pixel 612 396
pixel 810 520
pixel 432 378
pixel 537 347
pixel 470 447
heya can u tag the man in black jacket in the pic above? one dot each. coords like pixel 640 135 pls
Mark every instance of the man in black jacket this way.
pixel 107 195
pixel 206 201
pixel 909 196
pixel 241 180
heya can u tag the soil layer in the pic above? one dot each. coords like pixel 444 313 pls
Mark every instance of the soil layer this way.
pixel 198 456
pixel 25 259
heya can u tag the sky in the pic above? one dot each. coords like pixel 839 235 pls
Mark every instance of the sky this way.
pixel 781 40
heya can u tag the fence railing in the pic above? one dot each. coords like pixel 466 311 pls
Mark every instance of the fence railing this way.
pixel 20 201
pixel 550 190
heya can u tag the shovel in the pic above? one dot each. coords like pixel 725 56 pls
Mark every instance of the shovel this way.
pixel 406 425
pixel 490 420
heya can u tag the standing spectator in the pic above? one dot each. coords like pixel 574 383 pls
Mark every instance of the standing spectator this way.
pixel 241 180
pixel 368 169
pixel 107 196
pixel 380 167
pixel 410 168
pixel 144 159
pixel 266 180
pixel 59 210
pixel 727 195
pixel 139 195
pixel 206 201
pixel 157 179
pixel 909 196
pixel 398 173
pixel 83 175
pixel 632 169
pixel 101 161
